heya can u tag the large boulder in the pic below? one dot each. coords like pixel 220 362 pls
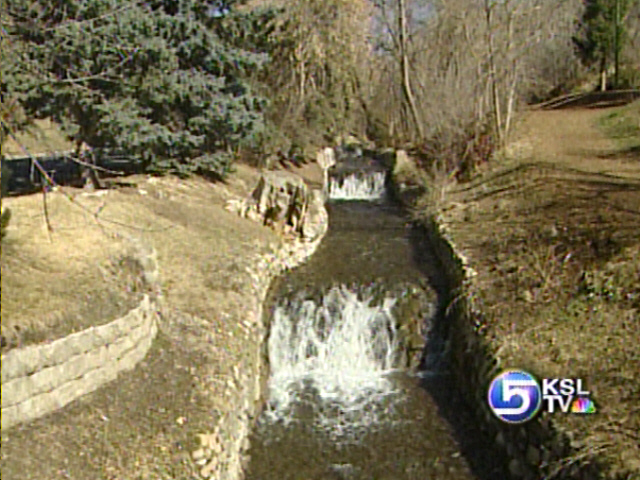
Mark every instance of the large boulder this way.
pixel 316 222
pixel 280 200
pixel 283 201
pixel 403 163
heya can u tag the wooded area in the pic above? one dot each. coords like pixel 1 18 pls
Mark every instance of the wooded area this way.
pixel 189 86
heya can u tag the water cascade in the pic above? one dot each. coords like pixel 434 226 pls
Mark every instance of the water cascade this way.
pixel 357 186
pixel 338 351
pixel 339 403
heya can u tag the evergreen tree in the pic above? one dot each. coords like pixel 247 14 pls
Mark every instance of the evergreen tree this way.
pixel 602 33
pixel 150 78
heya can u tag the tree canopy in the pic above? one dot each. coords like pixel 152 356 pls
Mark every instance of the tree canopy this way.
pixel 602 32
pixel 150 78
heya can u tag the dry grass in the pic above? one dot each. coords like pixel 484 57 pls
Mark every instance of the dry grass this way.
pixel 130 429
pixel 42 136
pixel 436 184
pixel 553 232
pixel 185 221
pixel 589 330
pixel 623 125
pixel 54 283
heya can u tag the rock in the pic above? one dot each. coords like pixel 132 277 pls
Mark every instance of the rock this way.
pixel 279 200
pixel 558 445
pixel 515 468
pixel 533 456
pixel 527 296
pixel 315 223
pixel 403 163
pixel 209 469
pixel 326 158
pixel 198 454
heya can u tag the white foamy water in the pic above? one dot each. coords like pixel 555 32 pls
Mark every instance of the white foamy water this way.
pixel 355 187
pixel 341 349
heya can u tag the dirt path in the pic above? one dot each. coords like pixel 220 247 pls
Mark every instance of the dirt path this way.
pixel 553 232
pixel 570 138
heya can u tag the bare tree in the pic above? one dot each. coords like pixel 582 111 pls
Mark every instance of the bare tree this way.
pixel 320 53
pixel 470 64
pixel 404 67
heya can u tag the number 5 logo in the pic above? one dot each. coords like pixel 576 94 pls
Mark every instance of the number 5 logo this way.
pixel 514 396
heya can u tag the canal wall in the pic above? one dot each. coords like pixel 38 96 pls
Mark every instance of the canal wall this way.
pixel 222 452
pixel 534 450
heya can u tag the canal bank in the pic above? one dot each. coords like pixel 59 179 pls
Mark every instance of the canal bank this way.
pixel 197 386
pixel 517 250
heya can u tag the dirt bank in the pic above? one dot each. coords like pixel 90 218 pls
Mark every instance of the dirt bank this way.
pixel 551 235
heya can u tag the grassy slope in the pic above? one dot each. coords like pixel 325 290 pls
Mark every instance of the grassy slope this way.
pixel 553 231
pixel 623 125
pixel 130 429
pixel 145 424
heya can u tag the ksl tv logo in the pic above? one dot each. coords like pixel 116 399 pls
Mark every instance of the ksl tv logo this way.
pixel 516 396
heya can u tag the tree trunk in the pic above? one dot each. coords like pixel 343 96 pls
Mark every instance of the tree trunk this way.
pixel 89 174
pixel 603 74
pixel 510 101
pixel 616 46
pixel 404 63
pixel 497 111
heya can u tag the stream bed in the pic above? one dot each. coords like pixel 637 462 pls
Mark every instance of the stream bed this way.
pixel 339 402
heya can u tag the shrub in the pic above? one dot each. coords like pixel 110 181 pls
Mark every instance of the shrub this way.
pixel 4 222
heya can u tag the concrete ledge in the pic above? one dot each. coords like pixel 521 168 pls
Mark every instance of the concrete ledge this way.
pixel 42 378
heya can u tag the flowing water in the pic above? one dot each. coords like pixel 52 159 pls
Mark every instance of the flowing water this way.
pixel 338 404
pixel 358 186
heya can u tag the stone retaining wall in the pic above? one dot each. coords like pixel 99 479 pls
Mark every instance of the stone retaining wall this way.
pixel 222 452
pixel 39 379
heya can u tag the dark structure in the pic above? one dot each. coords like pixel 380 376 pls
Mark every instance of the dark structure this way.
pixel 22 175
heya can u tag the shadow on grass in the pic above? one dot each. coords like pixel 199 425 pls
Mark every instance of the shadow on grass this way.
pixel 630 153
pixel 596 178
pixel 592 100
pixel 125 429
pixel 293 162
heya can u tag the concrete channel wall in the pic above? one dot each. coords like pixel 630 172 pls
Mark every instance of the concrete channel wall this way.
pixel 40 379
pixel 222 452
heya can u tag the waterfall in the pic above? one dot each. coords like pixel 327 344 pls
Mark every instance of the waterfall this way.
pixel 357 186
pixel 341 349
